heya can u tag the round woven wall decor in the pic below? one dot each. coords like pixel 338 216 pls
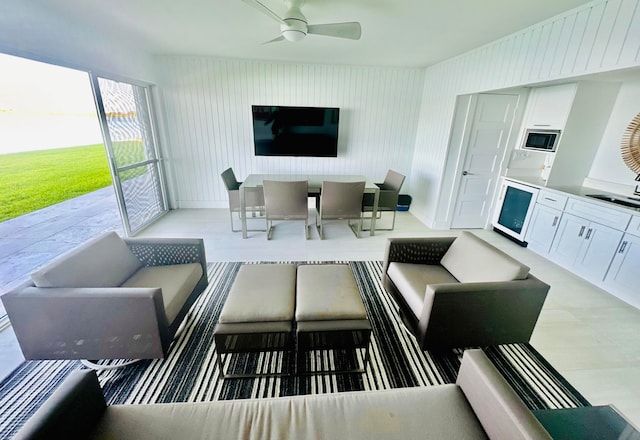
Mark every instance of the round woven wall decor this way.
pixel 630 146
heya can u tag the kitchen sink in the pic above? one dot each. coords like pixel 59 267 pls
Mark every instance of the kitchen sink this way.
pixel 629 202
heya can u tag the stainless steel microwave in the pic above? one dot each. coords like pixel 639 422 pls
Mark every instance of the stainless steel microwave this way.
pixel 541 140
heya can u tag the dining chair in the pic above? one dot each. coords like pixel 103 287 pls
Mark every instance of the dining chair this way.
pixel 286 200
pixel 340 201
pixel 387 200
pixel 254 199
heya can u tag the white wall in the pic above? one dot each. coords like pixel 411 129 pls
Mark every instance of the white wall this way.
pixel 33 29
pixel 608 165
pixel 600 36
pixel 207 106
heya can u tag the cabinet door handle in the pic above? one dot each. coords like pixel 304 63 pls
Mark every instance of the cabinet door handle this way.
pixel 555 220
pixel 582 231
pixel 542 125
pixel 550 199
pixel 588 234
pixel 623 247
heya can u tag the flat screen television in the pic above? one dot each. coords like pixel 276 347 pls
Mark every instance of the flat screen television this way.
pixel 295 131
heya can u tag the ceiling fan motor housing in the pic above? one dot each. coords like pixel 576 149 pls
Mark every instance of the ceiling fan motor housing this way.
pixel 295 28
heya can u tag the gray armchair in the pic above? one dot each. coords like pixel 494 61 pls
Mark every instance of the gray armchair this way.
pixel 388 199
pixel 108 299
pixel 461 292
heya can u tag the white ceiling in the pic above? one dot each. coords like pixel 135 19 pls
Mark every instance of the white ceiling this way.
pixel 394 32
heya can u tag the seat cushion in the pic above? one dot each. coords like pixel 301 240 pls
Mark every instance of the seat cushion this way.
pixel 104 261
pixel 261 293
pixel 328 292
pixel 471 260
pixel 412 280
pixel 426 413
pixel 177 281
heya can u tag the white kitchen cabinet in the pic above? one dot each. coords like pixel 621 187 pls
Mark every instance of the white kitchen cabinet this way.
pixel 542 228
pixel 585 247
pixel 549 107
pixel 568 240
pixel 622 278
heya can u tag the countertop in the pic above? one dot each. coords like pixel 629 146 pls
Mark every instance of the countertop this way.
pixel 577 191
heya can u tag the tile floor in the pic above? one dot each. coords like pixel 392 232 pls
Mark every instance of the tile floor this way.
pixel 591 337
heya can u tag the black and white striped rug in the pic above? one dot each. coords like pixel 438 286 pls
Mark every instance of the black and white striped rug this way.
pixel 190 373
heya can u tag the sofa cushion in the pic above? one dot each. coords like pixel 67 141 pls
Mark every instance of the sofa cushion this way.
pixel 177 281
pixel 412 279
pixel 440 412
pixel 473 260
pixel 103 261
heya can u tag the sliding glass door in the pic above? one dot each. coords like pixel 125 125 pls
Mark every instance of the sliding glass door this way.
pixel 129 136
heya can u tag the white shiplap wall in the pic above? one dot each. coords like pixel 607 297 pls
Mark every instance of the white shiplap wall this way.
pixel 207 109
pixel 601 36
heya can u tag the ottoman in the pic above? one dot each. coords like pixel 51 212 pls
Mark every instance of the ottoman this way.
pixel 258 314
pixel 330 315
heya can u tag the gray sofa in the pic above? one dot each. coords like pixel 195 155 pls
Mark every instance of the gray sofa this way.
pixel 109 298
pixel 480 405
pixel 461 291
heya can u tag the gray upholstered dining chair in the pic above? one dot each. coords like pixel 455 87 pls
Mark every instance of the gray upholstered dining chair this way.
pixel 340 201
pixel 286 200
pixel 388 199
pixel 254 199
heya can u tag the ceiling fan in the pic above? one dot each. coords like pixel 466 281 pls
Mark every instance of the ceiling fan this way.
pixel 294 25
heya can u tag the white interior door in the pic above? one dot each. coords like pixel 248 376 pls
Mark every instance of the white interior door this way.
pixel 484 146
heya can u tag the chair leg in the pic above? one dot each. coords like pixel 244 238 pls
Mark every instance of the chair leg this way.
pixel 232 229
pixel 357 228
pixel 393 222
pixel 319 227
pixel 240 217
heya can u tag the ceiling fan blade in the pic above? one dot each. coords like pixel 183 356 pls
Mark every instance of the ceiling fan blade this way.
pixel 278 38
pixel 350 30
pixel 257 4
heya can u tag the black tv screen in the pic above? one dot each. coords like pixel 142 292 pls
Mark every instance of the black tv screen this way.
pixel 295 131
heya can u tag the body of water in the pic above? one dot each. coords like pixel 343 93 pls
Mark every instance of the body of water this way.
pixel 20 132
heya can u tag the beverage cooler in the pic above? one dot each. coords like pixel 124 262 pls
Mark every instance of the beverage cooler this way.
pixel 513 210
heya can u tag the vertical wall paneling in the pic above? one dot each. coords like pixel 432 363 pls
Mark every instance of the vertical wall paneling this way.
pixel 207 104
pixel 603 35
pixel 602 43
pixel 621 33
pixel 630 50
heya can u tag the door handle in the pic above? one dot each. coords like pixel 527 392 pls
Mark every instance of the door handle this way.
pixel 588 234
pixel 555 221
pixel 623 247
pixel 467 173
pixel 581 231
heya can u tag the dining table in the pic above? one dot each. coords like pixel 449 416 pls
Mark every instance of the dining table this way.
pixel 254 182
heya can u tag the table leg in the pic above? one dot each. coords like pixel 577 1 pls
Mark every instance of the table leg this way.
pixel 374 213
pixel 243 211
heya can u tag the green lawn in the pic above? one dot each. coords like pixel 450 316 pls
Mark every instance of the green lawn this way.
pixel 36 179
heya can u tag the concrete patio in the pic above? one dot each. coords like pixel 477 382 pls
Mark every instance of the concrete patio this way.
pixel 31 240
